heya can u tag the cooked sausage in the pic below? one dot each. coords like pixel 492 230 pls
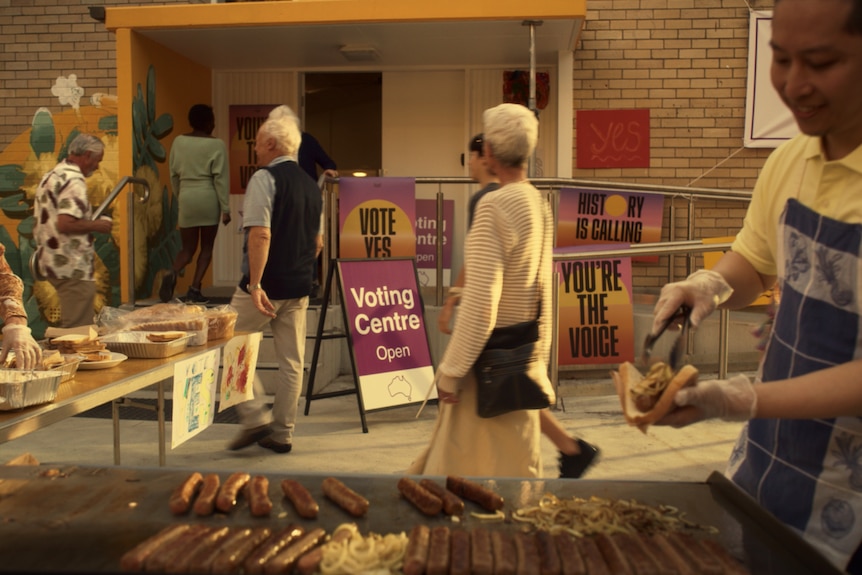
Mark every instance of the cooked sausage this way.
pixel 481 552
pixel 614 558
pixel 235 549
pixel 669 556
pixel 642 561
pixel 593 558
pixel 475 492
pixel 301 498
pixel 255 562
pixel 227 494
pixel 257 493
pixel 287 557
pixel 416 553
pixel 309 563
pixel 438 551
pixel 200 551
pixel 459 552
pixel 344 497
pixel 693 553
pixel 168 555
pixel 571 561
pixel 452 504
pixel 503 548
pixel 205 503
pixel 730 564
pixel 181 498
pixel 527 553
pixel 421 498
pixel 134 559
pixel 549 557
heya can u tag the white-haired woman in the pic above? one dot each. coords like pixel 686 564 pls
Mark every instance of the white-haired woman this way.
pixel 508 263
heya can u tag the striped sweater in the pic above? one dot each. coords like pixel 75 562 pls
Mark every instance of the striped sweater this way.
pixel 503 251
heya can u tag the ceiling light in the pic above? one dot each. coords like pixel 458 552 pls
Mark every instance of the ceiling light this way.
pixel 359 52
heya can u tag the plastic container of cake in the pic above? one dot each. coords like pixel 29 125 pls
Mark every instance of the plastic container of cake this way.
pixel 136 344
pixel 20 388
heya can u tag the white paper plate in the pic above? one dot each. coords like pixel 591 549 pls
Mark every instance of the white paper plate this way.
pixel 116 359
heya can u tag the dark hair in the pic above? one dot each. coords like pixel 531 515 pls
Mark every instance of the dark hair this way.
pixel 477 144
pixel 201 117
pixel 854 21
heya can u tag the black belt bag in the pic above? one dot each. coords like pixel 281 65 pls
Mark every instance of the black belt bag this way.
pixel 508 371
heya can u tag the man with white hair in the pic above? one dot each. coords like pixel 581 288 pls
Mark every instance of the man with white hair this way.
pixel 64 230
pixel 281 217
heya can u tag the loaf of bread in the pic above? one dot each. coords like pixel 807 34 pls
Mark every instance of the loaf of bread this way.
pixel 220 322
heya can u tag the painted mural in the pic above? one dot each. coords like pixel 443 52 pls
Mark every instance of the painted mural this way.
pixel 37 150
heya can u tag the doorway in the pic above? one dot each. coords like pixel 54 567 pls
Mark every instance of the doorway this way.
pixel 344 111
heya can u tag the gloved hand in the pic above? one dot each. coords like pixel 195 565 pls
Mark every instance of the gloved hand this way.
pixel 733 399
pixel 17 338
pixel 702 291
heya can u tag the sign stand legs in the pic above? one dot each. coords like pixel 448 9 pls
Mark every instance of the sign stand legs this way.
pixel 318 340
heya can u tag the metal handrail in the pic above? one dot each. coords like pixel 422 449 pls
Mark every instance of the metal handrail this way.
pixel 687 247
pixel 130 214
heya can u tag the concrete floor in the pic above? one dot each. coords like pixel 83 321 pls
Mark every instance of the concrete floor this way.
pixel 330 439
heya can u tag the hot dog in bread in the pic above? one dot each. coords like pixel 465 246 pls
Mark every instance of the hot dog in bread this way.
pixel 646 399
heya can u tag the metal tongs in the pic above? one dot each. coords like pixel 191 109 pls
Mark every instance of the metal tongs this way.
pixel 680 318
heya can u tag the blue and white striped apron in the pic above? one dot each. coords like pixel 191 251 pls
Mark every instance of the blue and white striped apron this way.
pixel 808 472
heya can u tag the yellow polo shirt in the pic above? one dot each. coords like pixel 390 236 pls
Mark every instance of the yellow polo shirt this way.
pixel 797 169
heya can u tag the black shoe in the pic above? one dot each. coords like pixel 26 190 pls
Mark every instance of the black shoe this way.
pixel 270 443
pixel 166 291
pixel 194 295
pixel 574 466
pixel 247 437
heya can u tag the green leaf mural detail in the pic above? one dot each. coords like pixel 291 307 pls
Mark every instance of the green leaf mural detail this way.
pixel 147 150
pixel 42 138
pixel 11 179
pixel 108 124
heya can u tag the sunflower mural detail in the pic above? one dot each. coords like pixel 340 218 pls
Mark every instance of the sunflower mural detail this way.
pixel 34 152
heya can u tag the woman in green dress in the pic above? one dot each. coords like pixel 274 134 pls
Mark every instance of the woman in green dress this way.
pixel 199 177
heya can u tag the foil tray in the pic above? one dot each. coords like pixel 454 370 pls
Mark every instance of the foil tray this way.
pixel 92 515
pixel 25 388
pixel 134 344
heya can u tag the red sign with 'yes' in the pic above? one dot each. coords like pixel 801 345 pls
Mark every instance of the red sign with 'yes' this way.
pixel 613 138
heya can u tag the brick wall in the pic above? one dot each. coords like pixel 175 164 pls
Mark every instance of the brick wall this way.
pixel 43 39
pixel 684 60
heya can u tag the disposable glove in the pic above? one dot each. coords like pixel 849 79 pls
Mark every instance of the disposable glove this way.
pixel 702 291
pixel 733 399
pixel 17 338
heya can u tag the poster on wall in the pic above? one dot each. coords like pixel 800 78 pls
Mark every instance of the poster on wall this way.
pixel 768 122
pixel 594 217
pixel 426 241
pixel 613 138
pixel 194 395
pixel 244 121
pixel 376 217
pixel 595 309
pixel 387 335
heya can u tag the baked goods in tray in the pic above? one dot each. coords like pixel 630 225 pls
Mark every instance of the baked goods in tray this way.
pixel 164 317
pixel 165 336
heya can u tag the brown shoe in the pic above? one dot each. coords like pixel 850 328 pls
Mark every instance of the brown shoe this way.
pixel 270 443
pixel 247 437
